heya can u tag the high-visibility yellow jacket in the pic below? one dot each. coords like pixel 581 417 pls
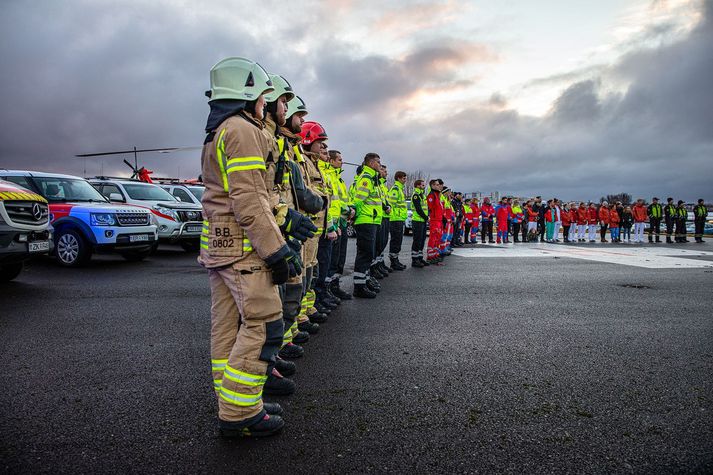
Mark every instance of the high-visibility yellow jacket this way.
pixel 418 202
pixel 397 198
pixel 384 199
pixel 366 197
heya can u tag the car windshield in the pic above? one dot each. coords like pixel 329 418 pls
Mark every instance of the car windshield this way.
pixel 148 192
pixel 197 191
pixel 57 190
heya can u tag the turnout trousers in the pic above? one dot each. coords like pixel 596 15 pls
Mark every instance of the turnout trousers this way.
pixel 419 239
pixel 366 251
pixel 246 333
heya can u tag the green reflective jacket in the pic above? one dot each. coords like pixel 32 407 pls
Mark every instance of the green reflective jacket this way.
pixel 397 199
pixel 366 197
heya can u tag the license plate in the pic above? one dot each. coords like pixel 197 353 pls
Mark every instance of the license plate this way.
pixel 39 246
pixel 138 237
pixel 194 229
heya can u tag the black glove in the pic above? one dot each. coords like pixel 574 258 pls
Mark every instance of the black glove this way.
pixel 298 226
pixel 284 264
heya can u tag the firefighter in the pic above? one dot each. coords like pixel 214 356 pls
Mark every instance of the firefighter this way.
pixel 278 181
pixel 309 203
pixel 670 217
pixel 435 222
pixel 339 247
pixel 399 213
pixel 313 137
pixel 419 218
pixel 681 217
pixel 655 212
pixel 243 248
pixel 700 213
pixel 366 198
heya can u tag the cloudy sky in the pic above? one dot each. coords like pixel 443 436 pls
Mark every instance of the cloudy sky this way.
pixel 571 98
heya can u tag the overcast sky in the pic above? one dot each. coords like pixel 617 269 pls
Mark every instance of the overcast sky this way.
pixel 570 98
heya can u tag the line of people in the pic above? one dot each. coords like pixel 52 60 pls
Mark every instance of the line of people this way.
pixel 579 222
pixel 274 239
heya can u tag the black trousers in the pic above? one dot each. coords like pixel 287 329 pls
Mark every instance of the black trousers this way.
pixel 681 229
pixel 654 227
pixel 419 239
pixel 541 229
pixel 396 231
pixel 324 256
pixel 466 232
pixel 382 237
pixel 366 250
pixel 670 222
pixel 565 232
pixel 486 229
pixel 700 224
pixel 456 231
pixel 339 255
pixel 603 231
pixel 524 231
pixel 516 231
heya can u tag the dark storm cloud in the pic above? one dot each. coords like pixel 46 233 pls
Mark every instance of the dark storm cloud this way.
pixel 82 77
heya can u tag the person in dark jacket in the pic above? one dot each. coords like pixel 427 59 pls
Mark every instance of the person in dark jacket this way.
pixel 655 212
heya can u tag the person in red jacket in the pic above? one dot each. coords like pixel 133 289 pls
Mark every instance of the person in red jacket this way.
pixel 582 218
pixel 435 222
pixel 614 221
pixel 573 222
pixel 592 221
pixel 640 214
pixel 604 220
pixel 550 220
pixel 502 216
pixel 487 213
pixel 532 217
pixel 566 222
pixel 474 220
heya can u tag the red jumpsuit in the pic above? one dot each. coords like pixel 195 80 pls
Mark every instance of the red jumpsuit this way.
pixel 435 224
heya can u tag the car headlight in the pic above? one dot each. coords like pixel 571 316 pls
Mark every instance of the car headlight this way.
pixel 153 219
pixel 166 211
pixel 102 219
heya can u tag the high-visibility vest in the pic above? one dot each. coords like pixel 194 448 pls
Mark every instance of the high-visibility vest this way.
pixel 700 211
pixel 397 199
pixel 384 198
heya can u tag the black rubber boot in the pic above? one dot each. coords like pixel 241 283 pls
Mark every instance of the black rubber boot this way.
pixel 286 368
pixel 373 285
pixel 308 326
pixel 319 317
pixel 416 263
pixel 424 262
pixel 386 270
pixel 337 291
pixel 668 240
pixel 291 351
pixel 362 291
pixel 272 408
pixel 266 425
pixel 278 385
pixel 332 297
pixel 376 273
pixel 300 338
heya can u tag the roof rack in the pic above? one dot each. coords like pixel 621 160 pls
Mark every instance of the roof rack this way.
pixel 104 177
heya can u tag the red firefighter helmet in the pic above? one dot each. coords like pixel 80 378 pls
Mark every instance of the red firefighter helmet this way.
pixel 311 132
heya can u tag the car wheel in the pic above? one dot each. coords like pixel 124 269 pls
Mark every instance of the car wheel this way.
pixel 10 271
pixel 71 249
pixel 190 246
pixel 136 256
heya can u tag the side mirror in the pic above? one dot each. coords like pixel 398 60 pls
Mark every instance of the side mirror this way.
pixel 116 197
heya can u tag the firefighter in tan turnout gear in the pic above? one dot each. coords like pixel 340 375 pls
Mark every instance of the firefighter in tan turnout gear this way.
pixel 243 248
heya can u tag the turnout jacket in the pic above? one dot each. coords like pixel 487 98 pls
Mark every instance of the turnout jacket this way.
pixel 239 223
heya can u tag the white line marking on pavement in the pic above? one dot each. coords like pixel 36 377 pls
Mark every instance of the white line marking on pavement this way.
pixel 648 257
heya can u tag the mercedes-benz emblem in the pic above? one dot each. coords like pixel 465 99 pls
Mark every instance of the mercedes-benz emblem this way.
pixel 36 212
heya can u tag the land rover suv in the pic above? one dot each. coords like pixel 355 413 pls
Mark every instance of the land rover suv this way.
pixel 85 222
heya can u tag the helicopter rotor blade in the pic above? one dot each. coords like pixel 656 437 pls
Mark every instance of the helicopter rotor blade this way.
pixel 159 150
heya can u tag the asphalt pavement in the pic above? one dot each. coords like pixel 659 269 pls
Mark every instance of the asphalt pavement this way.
pixel 540 364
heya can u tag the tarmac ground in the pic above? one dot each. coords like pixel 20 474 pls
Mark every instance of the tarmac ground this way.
pixel 524 358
